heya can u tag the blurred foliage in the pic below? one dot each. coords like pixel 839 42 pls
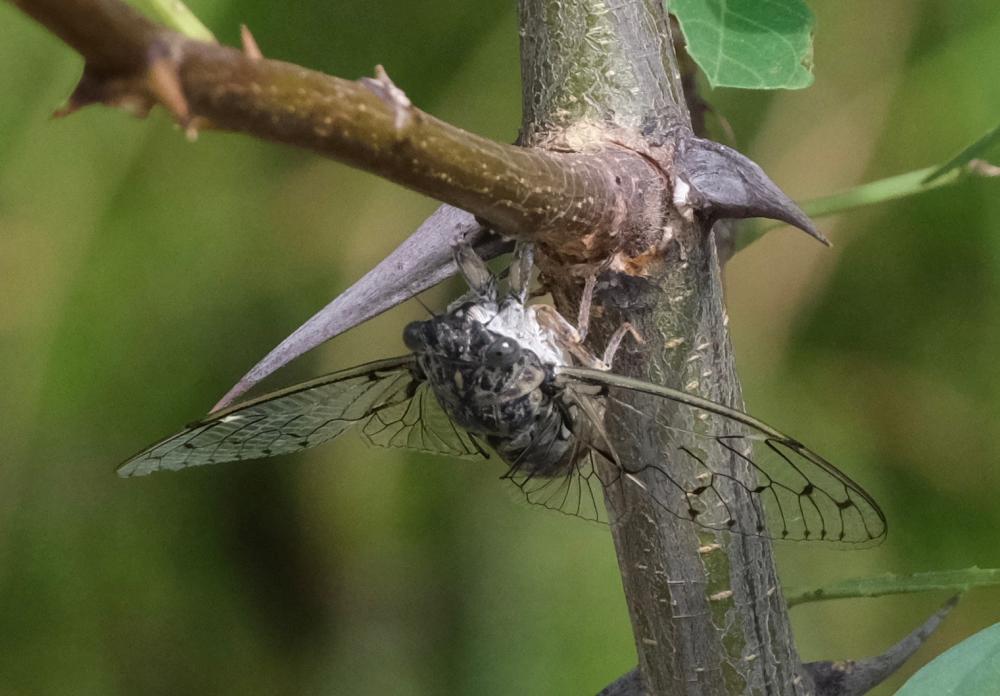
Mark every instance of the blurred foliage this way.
pixel 142 275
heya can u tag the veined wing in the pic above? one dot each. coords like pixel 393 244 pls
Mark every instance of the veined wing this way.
pixel 420 424
pixel 730 454
pixel 577 493
pixel 306 415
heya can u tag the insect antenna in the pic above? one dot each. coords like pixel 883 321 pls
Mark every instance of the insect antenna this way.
pixel 427 309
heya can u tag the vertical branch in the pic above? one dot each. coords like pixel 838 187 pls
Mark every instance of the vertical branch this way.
pixel 706 608
pixel 707 613
pixel 594 62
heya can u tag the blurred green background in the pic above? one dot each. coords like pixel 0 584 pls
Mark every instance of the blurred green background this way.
pixel 142 275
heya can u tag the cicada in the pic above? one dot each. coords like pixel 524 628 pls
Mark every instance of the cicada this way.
pixel 497 373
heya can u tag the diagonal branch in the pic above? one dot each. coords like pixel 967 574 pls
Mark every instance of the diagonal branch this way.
pixel 370 124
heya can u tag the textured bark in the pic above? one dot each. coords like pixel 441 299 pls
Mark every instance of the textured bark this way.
pixel 707 611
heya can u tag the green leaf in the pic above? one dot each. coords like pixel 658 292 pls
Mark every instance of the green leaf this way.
pixel 951 580
pixel 753 44
pixel 971 668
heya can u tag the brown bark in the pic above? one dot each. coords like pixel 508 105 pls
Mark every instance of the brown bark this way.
pixel 556 198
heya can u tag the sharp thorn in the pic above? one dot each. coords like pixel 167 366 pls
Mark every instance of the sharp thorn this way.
pixel 721 183
pixel 250 48
pixel 392 95
pixel 164 83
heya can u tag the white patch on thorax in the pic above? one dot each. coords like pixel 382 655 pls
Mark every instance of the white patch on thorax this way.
pixel 682 199
pixel 519 322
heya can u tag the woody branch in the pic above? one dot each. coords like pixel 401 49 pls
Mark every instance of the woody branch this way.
pixel 551 197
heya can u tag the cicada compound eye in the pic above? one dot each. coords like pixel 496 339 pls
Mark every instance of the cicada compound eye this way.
pixel 413 336
pixel 503 352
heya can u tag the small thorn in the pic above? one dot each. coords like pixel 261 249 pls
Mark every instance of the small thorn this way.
pixel 161 76
pixel 70 107
pixel 87 91
pixel 392 95
pixel 983 168
pixel 250 48
pixel 194 127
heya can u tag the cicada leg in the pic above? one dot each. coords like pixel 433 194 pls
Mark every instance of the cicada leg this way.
pixel 478 276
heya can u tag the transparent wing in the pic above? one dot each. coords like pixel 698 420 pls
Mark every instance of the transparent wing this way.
pixel 421 424
pixel 308 414
pixel 717 455
pixel 577 493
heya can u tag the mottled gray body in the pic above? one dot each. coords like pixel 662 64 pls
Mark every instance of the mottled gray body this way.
pixel 491 365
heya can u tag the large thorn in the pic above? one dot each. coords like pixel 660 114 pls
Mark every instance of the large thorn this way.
pixel 422 261
pixel 843 678
pixel 721 183
pixel 629 684
pixel 857 677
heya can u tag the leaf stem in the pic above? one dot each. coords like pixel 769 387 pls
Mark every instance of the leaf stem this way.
pixel 888 189
pixel 879 585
